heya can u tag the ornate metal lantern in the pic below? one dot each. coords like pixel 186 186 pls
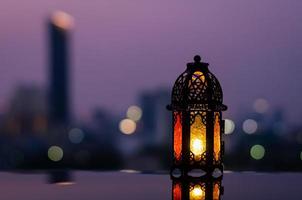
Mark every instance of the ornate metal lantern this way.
pixel 197 189
pixel 197 121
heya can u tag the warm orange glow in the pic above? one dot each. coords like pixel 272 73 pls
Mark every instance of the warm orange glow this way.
pixel 216 192
pixel 177 136
pixel 197 193
pixel 197 146
pixel 62 20
pixel 13 126
pixel 40 123
pixel 177 192
pixel 198 75
pixel 127 126
pixel 198 138
pixel 216 136
pixel 67 183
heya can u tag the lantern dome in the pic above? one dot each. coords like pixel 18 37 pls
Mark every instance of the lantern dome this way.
pixel 197 88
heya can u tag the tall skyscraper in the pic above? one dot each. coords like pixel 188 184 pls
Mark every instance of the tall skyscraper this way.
pixel 59 30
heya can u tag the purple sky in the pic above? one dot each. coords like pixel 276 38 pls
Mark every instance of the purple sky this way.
pixel 122 47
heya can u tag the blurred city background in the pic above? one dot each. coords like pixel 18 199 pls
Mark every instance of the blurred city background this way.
pixel 84 85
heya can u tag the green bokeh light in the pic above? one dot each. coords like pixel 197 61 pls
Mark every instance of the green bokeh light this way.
pixel 55 153
pixel 257 152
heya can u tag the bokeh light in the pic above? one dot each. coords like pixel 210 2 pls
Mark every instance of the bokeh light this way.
pixel 62 20
pixel 250 126
pixel 55 153
pixel 127 126
pixel 257 152
pixel 134 113
pixel 229 126
pixel 76 135
pixel 261 105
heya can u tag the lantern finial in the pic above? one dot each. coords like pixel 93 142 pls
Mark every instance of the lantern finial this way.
pixel 197 64
pixel 197 59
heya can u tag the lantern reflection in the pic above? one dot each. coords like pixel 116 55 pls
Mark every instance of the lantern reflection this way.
pixel 60 177
pixel 197 189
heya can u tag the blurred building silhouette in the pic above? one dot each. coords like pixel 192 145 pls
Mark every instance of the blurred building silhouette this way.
pixel 27 112
pixel 23 128
pixel 156 121
pixel 59 38
pixel 153 135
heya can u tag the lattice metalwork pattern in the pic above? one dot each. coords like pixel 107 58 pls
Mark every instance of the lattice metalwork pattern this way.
pixel 198 89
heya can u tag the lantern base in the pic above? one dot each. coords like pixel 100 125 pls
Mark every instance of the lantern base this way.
pixel 201 172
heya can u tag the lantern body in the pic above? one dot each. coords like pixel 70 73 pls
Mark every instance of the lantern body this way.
pixel 197 120
pixel 197 189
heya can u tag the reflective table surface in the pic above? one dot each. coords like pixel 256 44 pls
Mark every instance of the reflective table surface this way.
pixel 88 185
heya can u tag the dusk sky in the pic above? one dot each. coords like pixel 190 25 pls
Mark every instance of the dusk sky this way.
pixel 123 47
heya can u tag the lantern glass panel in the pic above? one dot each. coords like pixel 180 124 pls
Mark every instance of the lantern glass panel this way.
pixel 198 135
pixel 217 139
pixel 216 191
pixel 177 135
pixel 177 191
pixel 198 75
pixel 197 192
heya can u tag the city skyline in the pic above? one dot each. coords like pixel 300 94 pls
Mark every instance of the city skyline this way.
pixel 116 55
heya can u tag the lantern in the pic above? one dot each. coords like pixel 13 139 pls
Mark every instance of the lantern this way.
pixel 197 122
pixel 197 189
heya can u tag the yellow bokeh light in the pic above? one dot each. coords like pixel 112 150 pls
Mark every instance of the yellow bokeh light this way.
pixel 127 126
pixel 55 153
pixel 135 113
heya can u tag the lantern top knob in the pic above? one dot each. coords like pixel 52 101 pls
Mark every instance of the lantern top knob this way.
pixel 197 59
pixel 197 64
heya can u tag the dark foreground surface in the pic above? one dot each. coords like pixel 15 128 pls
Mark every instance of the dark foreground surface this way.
pixel 125 185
